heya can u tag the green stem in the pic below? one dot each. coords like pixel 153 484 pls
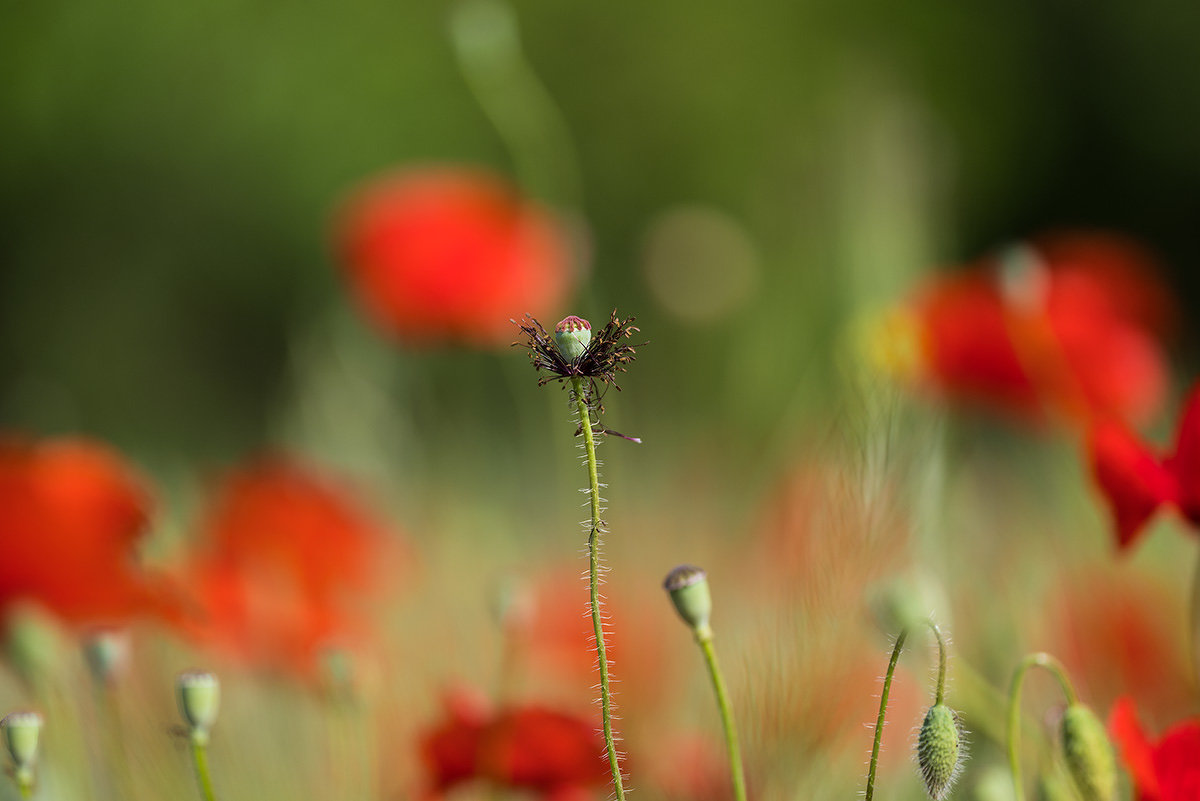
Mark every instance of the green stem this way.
pixel 941 675
pixel 24 777
pixel 883 702
pixel 200 757
pixel 939 693
pixel 705 639
pixel 1047 662
pixel 487 43
pixel 589 439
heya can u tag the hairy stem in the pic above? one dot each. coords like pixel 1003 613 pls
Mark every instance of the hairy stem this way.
pixel 1042 660
pixel 883 702
pixel 705 639
pixel 589 439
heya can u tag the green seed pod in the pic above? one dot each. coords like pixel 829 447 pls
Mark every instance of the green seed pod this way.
pixel 572 336
pixel 199 700
pixel 21 731
pixel 688 587
pixel 1089 754
pixel 939 750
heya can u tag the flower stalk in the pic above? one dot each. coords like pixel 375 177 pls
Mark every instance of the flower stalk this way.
pixel 940 749
pixel 1086 748
pixel 687 587
pixel 595 526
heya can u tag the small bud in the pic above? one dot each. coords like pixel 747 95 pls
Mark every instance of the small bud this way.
pixel 21 731
pixel 572 336
pixel 688 587
pixel 939 750
pixel 199 700
pixel 1089 754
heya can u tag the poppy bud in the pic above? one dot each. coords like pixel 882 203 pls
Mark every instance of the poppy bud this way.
pixel 939 750
pixel 1088 753
pixel 199 700
pixel 572 336
pixel 688 588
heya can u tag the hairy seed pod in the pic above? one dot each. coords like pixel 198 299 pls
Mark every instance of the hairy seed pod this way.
pixel 939 750
pixel 1089 754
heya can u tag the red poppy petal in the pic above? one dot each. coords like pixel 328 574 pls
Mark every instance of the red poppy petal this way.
pixel 1177 763
pixel 1136 751
pixel 1184 464
pixel 1132 479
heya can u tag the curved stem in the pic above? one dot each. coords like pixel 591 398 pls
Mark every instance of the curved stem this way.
pixel 200 757
pixel 589 440
pixel 487 44
pixel 883 702
pixel 1047 662
pixel 941 675
pixel 705 639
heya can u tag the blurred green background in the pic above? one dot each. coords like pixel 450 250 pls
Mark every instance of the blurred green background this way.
pixel 169 171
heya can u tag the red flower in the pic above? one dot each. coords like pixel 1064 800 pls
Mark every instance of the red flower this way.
pixel 451 255
pixel 1168 770
pixel 532 748
pixel 72 514
pixel 288 559
pixel 1068 326
pixel 1136 481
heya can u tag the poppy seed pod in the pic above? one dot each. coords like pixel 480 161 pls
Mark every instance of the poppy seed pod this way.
pixel 572 336
pixel 1088 754
pixel 199 701
pixel 939 750
pixel 21 732
pixel 688 588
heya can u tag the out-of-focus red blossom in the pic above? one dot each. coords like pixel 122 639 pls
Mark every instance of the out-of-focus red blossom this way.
pixel 555 645
pixel 1166 770
pixel 451 255
pixel 1117 633
pixel 690 767
pixel 1136 480
pixel 287 561
pixel 72 513
pixel 552 754
pixel 1068 326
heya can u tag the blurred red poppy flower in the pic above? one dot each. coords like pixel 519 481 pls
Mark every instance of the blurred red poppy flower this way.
pixel 1136 480
pixel 72 513
pixel 1166 770
pixel 451 255
pixel 1066 326
pixel 287 561
pixel 553 754
pixel 1116 630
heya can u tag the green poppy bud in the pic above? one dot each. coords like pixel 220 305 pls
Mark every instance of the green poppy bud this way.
pixel 1089 754
pixel 939 750
pixel 572 336
pixel 21 731
pixel 199 701
pixel 688 588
